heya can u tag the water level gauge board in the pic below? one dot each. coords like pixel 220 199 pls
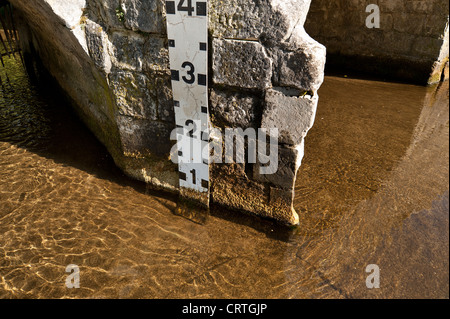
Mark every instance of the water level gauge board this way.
pixel 187 30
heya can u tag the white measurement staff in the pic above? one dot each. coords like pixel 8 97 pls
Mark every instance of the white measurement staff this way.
pixel 187 30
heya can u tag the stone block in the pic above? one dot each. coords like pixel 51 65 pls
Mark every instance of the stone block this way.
pixel 234 109
pixel 133 97
pixel 428 48
pixel 416 6
pixel 285 176
pixel 400 43
pixel 144 15
pixel 106 13
pixel 433 27
pixel 98 44
pixel 251 20
pixel 68 11
pixel 402 22
pixel 127 50
pixel 243 64
pixel 299 63
pixel 156 54
pixel 389 6
pixel 386 22
pixel 293 116
pixel 142 137
pixel 281 196
pixel 160 86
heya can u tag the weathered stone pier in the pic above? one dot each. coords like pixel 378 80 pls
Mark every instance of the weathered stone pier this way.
pixel 111 57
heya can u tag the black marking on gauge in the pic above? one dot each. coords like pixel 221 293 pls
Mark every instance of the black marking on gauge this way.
pixel 205 137
pixel 201 8
pixel 170 7
pixel 202 79
pixel 175 75
pixel 194 176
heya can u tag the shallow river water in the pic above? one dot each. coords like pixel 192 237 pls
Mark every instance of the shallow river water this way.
pixel 373 189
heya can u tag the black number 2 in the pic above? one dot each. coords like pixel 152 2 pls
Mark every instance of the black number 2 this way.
pixel 191 124
pixel 189 8
pixel 191 78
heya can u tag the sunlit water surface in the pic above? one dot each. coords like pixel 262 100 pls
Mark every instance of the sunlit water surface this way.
pixel 373 189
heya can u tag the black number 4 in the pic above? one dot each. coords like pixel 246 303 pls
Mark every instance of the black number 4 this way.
pixel 189 8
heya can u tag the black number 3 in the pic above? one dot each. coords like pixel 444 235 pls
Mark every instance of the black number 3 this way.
pixel 191 78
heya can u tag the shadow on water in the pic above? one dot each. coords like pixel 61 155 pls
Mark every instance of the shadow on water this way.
pixel 362 131
pixel 381 194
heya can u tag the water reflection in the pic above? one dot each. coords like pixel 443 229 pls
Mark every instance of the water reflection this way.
pixel 373 189
pixel 402 223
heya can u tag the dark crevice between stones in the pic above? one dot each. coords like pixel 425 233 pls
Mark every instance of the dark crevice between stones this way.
pixel 385 69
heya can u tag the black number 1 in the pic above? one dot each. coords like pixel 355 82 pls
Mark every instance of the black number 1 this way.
pixel 194 178
pixel 189 8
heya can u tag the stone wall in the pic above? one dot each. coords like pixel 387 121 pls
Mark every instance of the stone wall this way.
pixel 111 57
pixel 411 43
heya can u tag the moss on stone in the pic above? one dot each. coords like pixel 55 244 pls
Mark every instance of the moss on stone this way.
pixel 120 14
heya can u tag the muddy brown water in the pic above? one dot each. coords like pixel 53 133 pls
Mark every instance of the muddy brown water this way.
pixel 373 189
